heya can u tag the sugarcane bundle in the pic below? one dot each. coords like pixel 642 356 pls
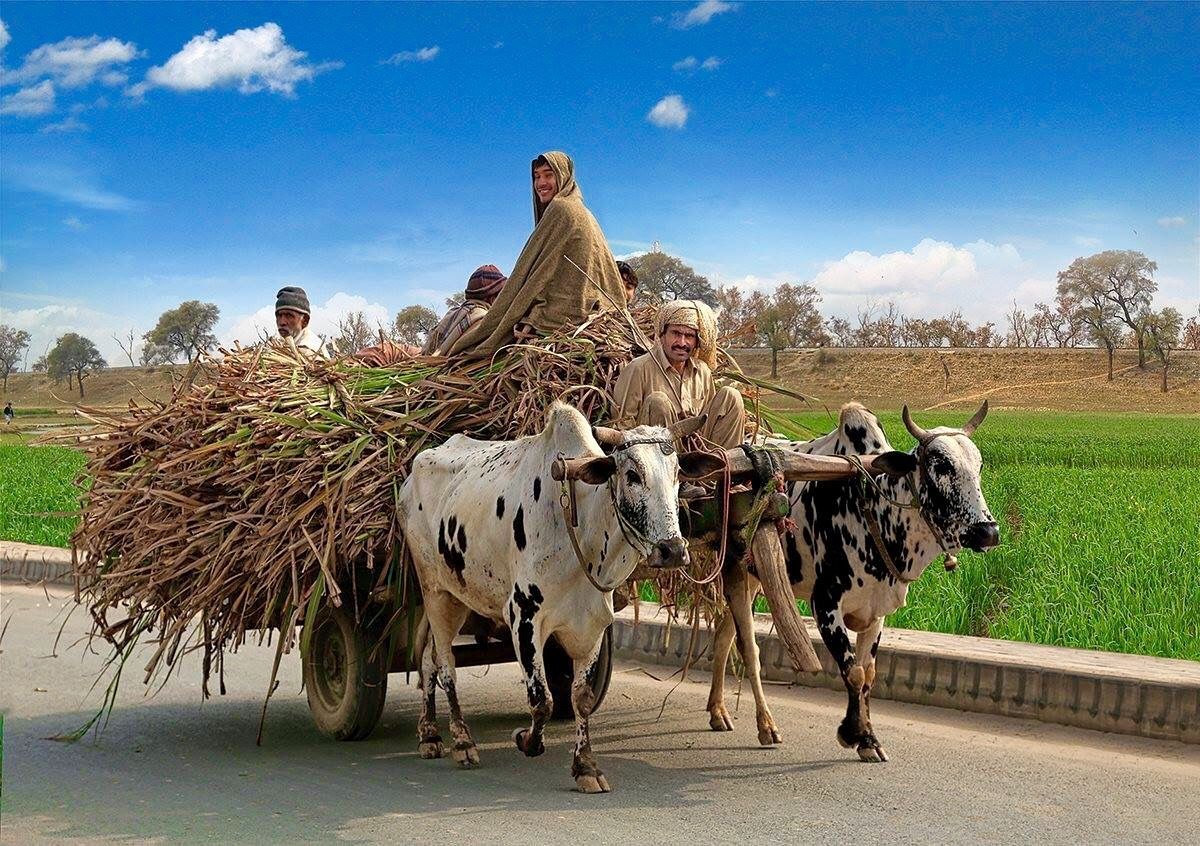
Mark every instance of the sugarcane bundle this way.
pixel 267 484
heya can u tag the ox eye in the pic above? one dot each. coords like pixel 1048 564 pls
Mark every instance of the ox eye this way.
pixel 632 477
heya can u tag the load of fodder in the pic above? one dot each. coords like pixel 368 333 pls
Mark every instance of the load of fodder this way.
pixel 266 485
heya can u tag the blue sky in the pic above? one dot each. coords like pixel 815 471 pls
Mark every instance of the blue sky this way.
pixel 941 155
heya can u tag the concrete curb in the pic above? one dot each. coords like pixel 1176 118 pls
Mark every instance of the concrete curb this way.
pixel 29 563
pixel 1104 691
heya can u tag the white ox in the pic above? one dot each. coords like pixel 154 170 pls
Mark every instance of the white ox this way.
pixel 855 549
pixel 487 533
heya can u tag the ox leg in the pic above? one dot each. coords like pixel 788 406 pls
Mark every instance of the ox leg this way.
pixel 529 641
pixel 853 733
pixel 587 775
pixel 869 748
pixel 740 596
pixel 446 616
pixel 718 716
pixel 429 742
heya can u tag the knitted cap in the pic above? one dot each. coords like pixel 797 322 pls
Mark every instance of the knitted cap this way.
pixel 485 282
pixel 292 298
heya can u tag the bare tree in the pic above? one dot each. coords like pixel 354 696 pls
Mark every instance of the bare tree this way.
pixel 731 314
pixel 841 331
pixel 1018 327
pixel 126 343
pixel 353 334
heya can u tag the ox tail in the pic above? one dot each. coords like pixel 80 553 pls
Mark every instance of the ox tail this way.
pixel 771 568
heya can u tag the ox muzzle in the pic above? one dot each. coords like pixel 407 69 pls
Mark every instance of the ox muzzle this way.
pixel 669 553
pixel 980 537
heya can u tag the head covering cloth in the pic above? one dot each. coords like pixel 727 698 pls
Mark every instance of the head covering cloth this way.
pixel 484 282
pixel 693 314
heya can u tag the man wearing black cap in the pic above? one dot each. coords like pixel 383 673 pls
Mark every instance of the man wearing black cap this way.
pixel 292 314
pixel 483 287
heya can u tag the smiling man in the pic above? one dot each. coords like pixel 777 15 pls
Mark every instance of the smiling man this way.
pixel 292 314
pixel 674 380
pixel 565 273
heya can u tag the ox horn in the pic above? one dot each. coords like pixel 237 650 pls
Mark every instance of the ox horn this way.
pixel 971 425
pixel 913 429
pixel 680 429
pixel 607 437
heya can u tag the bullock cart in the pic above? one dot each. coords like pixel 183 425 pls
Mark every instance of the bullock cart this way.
pixel 346 664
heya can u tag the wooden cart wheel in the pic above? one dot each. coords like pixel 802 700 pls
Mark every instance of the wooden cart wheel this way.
pixel 346 685
pixel 560 673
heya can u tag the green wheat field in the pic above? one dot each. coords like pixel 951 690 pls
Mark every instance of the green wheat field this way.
pixel 1099 514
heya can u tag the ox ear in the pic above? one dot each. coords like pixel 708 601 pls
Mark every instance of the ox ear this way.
pixel 895 463
pixel 596 471
pixel 697 465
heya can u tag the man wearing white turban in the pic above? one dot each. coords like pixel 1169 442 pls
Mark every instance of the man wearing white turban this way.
pixel 674 380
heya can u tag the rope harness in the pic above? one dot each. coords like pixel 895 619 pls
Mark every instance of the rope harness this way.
pixel 570 508
pixel 914 504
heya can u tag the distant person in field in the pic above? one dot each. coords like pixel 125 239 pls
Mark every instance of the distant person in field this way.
pixel 8 413
pixel 630 280
pixel 292 314
pixel 483 287
pixel 674 380
pixel 565 272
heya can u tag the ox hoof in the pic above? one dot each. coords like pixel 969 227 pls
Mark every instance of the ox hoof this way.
pixel 769 736
pixel 592 784
pixel 719 720
pixel 430 749
pixel 531 748
pixel 872 752
pixel 467 757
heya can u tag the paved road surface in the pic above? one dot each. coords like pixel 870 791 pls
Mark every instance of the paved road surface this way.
pixel 172 768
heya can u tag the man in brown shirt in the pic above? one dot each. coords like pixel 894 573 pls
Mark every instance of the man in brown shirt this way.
pixel 483 287
pixel 674 380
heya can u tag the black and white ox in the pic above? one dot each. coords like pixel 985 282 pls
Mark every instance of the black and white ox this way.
pixel 856 548
pixel 488 534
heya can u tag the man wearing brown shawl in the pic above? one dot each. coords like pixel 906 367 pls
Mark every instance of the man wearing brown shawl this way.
pixel 544 292
pixel 674 380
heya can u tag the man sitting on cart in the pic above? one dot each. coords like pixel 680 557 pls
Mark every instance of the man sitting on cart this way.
pixel 674 380
pixel 483 287
pixel 565 272
pixel 292 314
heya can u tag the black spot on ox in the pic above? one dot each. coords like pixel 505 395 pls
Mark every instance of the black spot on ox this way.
pixel 499 507
pixel 451 553
pixel 519 528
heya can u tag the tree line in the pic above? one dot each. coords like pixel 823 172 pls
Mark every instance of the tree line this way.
pixel 1103 300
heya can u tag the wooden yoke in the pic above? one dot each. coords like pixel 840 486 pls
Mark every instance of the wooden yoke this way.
pixel 799 467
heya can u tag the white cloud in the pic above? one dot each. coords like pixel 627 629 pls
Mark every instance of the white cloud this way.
pixel 68 185
pixel 70 124
pixel 670 112
pixel 929 267
pixel 76 62
pixel 1172 222
pixel 29 102
pixel 702 13
pixel 772 92
pixel 1087 242
pixel 425 54
pixel 4 36
pixel 251 60
pixel 47 323
pixel 75 223
pixel 691 63
pixel 248 328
